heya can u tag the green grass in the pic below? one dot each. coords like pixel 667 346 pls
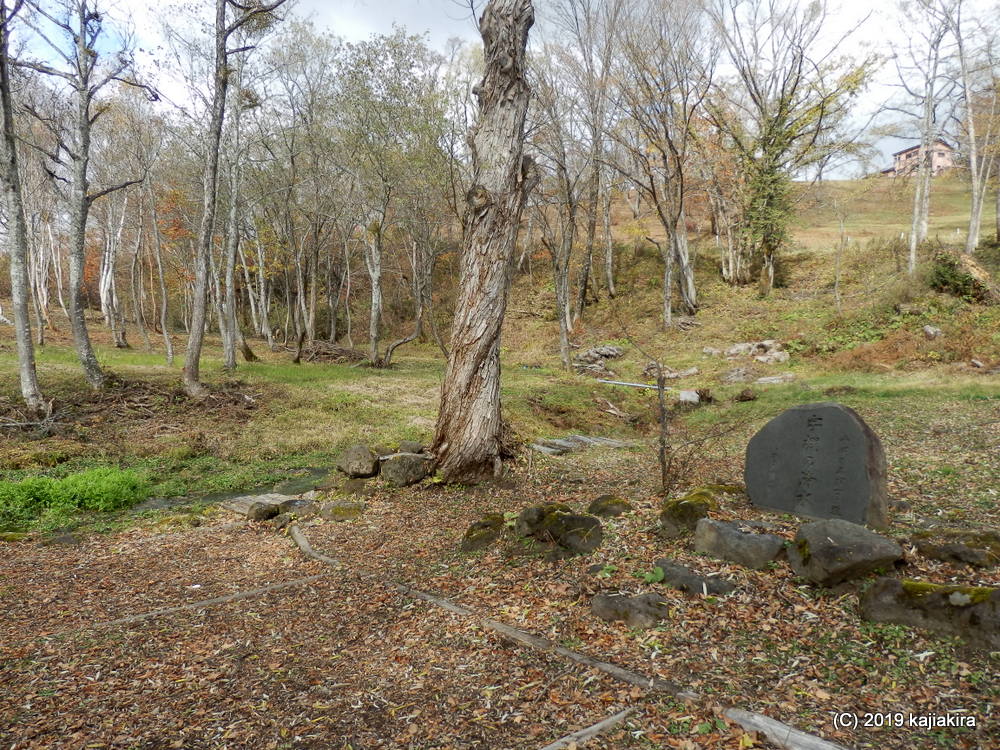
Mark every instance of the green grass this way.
pixel 42 502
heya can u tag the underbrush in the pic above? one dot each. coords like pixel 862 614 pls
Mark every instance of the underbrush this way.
pixel 45 503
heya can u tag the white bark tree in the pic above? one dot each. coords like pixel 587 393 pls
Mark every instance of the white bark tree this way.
pixel 17 238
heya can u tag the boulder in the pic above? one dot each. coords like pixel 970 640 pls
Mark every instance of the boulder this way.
pixel 483 532
pixel 599 354
pixel 747 394
pixel 683 578
pixel 832 551
pixel 818 461
pixel 608 506
pixel 786 377
pixel 410 446
pixel 355 488
pixel 680 515
pixel 773 358
pixel 738 375
pixel 262 511
pixel 358 461
pixel 282 521
pixel 341 510
pixel 727 541
pixel 979 548
pixel 932 332
pixel 711 351
pixel 970 612
pixel 642 611
pixel 740 350
pixel 555 523
pixel 404 469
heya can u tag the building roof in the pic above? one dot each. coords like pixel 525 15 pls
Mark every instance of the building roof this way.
pixel 915 148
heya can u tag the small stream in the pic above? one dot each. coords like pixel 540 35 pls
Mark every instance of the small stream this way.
pixel 301 482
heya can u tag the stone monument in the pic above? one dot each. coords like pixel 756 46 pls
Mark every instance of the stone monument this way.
pixel 819 461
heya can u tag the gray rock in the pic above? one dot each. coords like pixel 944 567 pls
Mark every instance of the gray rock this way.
pixel 738 375
pixel 341 510
pixel 710 351
pixel 262 511
pixel 355 488
pixel 970 612
pixel 818 461
pixel 410 446
pixel 739 350
pixel 683 578
pixel 483 532
pixel 979 548
pixel 62 539
pixel 642 611
pixel 282 521
pixel 294 505
pixel 832 551
pixel 932 332
pixel 725 540
pixel 404 469
pixel 608 506
pixel 689 397
pixel 773 358
pixel 358 461
pixel 786 377
pixel 599 354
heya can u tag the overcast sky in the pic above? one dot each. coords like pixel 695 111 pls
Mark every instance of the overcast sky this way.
pixel 358 19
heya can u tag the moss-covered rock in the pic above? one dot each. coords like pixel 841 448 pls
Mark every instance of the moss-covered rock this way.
pixel 608 506
pixel 555 523
pixel 483 532
pixel 341 510
pixel 977 547
pixel 972 612
pixel 681 515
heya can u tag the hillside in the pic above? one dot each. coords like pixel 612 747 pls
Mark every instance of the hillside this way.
pixel 305 653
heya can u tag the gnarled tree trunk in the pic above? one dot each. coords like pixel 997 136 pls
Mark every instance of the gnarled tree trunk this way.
pixel 468 436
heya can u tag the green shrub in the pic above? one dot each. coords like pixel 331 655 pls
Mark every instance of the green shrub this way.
pixel 946 276
pixel 31 501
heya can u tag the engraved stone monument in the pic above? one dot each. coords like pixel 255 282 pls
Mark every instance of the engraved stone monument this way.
pixel 819 461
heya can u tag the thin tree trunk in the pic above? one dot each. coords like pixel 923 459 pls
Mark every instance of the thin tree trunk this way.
pixel 210 177
pixel 609 248
pixel 467 440
pixel 164 326
pixel 17 236
pixel 136 303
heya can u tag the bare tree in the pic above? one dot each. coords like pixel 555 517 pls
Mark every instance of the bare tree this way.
pixel 467 440
pixel 224 29
pixel 17 237
pixel 919 69
pixel 784 112
pixel 73 32
pixel 665 73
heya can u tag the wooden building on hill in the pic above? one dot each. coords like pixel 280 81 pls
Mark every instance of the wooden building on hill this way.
pixel 943 158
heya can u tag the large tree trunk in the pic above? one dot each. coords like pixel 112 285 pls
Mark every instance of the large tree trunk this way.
pixel 17 236
pixel 468 436
pixel 210 178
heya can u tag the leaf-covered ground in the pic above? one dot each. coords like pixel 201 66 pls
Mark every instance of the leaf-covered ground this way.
pixel 346 661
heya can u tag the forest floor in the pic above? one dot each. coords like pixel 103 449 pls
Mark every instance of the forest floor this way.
pixel 341 659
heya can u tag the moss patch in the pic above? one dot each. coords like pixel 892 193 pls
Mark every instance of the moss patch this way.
pixel 921 590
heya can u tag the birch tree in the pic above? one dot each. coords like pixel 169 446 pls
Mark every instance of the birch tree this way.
pixel 17 237
pixel 468 436
pixel 243 15
pixel 73 33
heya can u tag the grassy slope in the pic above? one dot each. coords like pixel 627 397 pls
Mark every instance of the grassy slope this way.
pixel 305 414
